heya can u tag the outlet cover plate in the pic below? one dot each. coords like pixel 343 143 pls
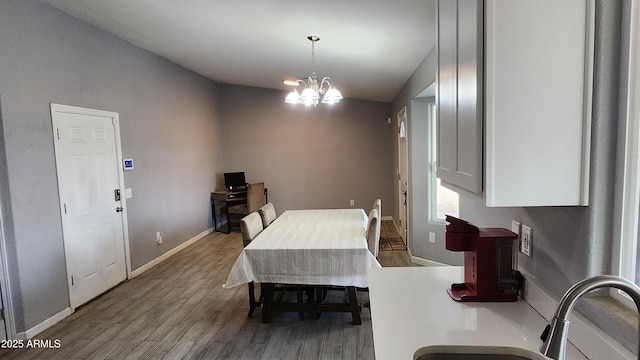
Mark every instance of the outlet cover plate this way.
pixel 526 239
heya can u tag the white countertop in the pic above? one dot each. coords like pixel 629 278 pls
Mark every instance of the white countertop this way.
pixel 410 309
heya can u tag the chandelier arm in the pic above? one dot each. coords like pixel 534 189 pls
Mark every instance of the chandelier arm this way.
pixel 325 80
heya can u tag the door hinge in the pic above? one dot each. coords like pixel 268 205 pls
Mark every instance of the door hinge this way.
pixel 2 314
pixel 72 280
pixel 65 208
pixel 58 132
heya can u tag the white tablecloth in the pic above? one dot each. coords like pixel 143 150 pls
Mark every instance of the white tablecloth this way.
pixel 312 247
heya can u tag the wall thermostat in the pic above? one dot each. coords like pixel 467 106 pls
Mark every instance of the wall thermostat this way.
pixel 127 164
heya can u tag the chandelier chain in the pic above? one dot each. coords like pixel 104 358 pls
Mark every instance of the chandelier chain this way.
pixel 313 55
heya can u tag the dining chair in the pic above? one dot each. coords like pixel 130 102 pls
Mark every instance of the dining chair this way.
pixel 250 227
pixel 378 206
pixel 373 241
pixel 255 200
pixel 268 214
pixel 373 232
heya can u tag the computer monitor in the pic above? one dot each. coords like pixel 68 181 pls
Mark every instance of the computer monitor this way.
pixel 235 180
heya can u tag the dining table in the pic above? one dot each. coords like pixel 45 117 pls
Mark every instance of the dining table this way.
pixel 318 247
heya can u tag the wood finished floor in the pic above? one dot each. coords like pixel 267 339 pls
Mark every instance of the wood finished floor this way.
pixel 179 310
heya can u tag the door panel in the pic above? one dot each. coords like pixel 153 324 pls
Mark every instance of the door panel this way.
pixel 87 165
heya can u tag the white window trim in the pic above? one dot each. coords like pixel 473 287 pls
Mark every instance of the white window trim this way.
pixel 627 197
pixel 433 166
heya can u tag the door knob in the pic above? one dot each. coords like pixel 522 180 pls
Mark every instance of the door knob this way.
pixel 119 209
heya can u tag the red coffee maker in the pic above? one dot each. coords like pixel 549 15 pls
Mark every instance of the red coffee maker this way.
pixel 490 259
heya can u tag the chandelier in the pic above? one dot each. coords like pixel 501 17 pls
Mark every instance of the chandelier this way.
pixel 313 90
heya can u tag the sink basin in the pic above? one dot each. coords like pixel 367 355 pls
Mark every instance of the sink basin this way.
pixel 463 352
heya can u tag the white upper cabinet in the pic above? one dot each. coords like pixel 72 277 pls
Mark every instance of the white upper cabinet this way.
pixel 535 100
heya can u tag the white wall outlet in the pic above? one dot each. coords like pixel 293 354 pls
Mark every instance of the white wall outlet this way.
pixel 128 193
pixel 158 238
pixel 526 240
pixel 432 237
pixel 352 202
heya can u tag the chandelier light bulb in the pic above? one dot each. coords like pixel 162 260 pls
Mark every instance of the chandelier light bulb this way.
pixel 293 97
pixel 332 96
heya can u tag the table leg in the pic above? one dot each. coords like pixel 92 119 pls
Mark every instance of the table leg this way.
pixel 353 304
pixel 267 304
pixel 252 298
pixel 299 298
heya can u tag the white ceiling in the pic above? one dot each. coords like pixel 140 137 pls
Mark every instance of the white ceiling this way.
pixel 369 48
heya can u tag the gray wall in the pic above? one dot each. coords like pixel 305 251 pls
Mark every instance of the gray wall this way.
pixel 170 126
pixel 309 157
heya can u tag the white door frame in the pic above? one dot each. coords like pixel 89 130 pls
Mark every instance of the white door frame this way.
pixel 5 288
pixel 58 108
pixel 403 157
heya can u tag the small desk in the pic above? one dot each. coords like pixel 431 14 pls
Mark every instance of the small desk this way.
pixel 220 202
pixel 309 247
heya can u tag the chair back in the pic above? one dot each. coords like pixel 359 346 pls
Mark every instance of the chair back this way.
pixel 373 232
pixel 250 227
pixel 255 196
pixel 378 206
pixel 267 213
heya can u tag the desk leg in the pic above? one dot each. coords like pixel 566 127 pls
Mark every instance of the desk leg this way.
pixel 353 304
pixel 267 304
pixel 222 207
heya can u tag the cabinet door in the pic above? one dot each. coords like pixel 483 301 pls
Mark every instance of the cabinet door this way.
pixel 468 169
pixel 538 102
pixel 459 93
pixel 446 91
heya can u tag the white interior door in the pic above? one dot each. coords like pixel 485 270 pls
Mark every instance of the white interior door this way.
pixel 403 168
pixel 92 218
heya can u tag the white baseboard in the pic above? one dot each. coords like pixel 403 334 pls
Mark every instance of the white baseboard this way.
pixel 425 262
pixel 168 254
pixel 390 218
pixel 583 334
pixel 30 333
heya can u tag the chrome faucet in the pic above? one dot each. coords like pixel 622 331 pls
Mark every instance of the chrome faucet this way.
pixel 555 335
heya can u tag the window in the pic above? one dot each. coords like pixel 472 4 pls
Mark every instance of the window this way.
pixel 443 200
